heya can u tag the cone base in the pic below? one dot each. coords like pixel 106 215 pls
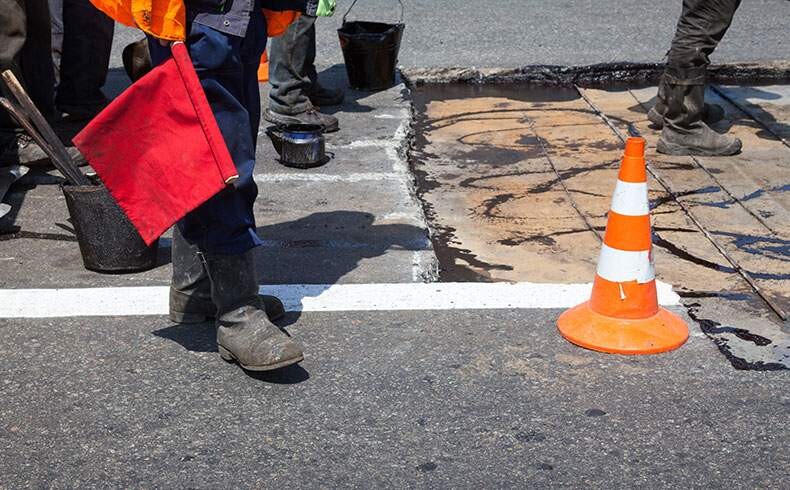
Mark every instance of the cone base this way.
pixel 661 332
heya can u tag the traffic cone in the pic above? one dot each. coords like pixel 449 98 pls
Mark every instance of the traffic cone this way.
pixel 263 68
pixel 623 315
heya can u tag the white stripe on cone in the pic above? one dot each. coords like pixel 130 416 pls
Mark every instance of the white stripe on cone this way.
pixel 623 266
pixel 630 199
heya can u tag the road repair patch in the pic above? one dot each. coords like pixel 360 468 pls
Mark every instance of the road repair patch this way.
pixel 516 182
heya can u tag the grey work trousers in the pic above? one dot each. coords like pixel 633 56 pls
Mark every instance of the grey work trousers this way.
pixel 292 67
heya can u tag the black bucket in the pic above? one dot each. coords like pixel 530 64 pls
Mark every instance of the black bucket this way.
pixel 370 50
pixel 108 241
pixel 299 145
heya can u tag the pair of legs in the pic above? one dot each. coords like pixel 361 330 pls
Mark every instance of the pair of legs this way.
pixel 680 107
pixel 295 90
pixel 82 41
pixel 213 266
pixel 81 44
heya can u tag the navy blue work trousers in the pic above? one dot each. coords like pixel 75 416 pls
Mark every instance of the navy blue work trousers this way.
pixel 227 67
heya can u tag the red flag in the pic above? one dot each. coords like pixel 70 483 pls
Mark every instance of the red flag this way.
pixel 157 147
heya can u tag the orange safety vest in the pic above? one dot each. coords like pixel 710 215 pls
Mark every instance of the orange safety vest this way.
pixel 166 19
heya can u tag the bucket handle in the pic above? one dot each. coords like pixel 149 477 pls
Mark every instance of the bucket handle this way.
pixel 400 21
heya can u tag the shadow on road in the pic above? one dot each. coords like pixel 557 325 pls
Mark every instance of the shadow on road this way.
pixel 335 77
pixel 201 337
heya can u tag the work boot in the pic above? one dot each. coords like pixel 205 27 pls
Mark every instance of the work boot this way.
pixel 137 59
pixel 684 132
pixel 244 333
pixel 324 96
pixel 190 289
pixel 20 149
pixel 711 113
pixel 310 116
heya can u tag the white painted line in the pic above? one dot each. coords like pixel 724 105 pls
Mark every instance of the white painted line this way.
pixel 152 300
pixel 306 177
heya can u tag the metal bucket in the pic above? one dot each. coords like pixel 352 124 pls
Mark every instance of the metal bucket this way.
pixel 108 241
pixel 299 145
pixel 370 50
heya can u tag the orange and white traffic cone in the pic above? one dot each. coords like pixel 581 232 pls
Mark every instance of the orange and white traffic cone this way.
pixel 263 68
pixel 623 315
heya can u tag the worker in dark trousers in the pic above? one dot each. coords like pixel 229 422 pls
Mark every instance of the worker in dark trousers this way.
pixel 680 108
pixel 225 43
pixel 82 41
pixel 295 91
pixel 24 47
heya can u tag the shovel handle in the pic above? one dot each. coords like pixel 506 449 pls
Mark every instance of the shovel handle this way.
pixel 75 178
pixel 45 130
pixel 400 21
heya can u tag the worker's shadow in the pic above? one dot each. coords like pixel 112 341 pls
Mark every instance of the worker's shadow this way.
pixel 314 252
pixel 769 127
pixel 754 115
pixel 335 77
pixel 318 250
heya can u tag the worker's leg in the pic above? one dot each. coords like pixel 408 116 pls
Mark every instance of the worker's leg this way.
pixel 291 65
pixel 223 228
pixel 225 223
pixel 288 64
pixel 85 58
pixel 701 26
pixel 25 48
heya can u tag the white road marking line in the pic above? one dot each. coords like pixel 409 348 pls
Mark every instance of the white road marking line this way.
pixel 307 177
pixel 152 300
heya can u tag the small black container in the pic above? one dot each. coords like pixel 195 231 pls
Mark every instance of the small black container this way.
pixel 299 145
pixel 108 241
pixel 370 50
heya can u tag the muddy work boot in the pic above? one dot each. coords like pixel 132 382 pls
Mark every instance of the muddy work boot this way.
pixel 244 332
pixel 190 289
pixel 20 149
pixel 711 113
pixel 684 131
pixel 310 116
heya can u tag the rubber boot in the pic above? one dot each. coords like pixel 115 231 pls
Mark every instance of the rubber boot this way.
pixel 244 332
pixel 684 131
pixel 190 289
pixel 711 113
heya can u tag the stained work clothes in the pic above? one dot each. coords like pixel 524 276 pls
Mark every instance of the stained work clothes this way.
pixel 701 26
pixel 227 67
pixel 25 41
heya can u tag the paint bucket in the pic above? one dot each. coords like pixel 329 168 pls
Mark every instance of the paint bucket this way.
pixel 370 50
pixel 107 239
pixel 299 145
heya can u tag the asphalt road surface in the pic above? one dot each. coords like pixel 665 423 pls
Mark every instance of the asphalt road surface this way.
pixel 512 33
